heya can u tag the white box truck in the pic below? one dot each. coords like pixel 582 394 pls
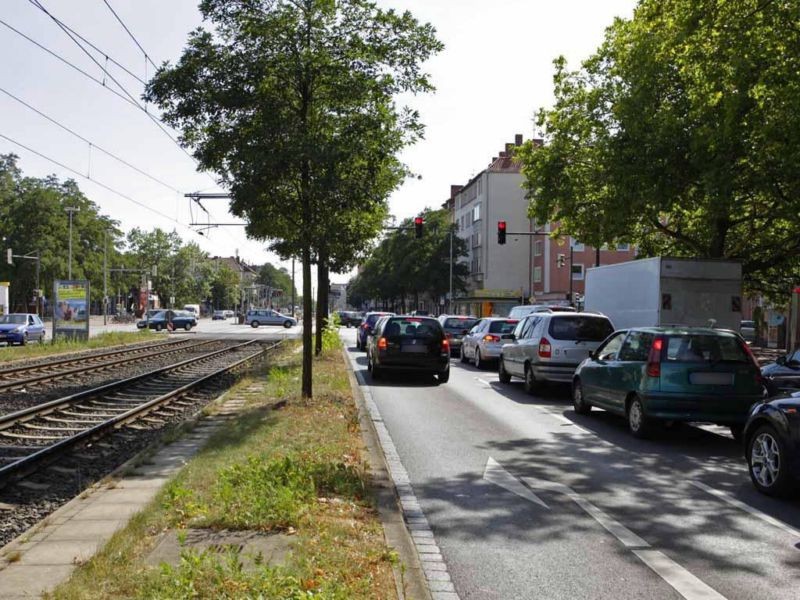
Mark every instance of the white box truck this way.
pixel 662 291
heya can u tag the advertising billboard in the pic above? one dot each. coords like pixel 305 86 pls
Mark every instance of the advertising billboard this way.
pixel 71 309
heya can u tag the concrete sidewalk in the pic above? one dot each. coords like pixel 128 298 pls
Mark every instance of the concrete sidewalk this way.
pixel 41 559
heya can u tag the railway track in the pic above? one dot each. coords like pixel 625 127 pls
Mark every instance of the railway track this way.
pixel 40 434
pixel 26 375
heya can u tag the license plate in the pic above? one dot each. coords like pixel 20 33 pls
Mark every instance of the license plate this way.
pixel 414 349
pixel 711 378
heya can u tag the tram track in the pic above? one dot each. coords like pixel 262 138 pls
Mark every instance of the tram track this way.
pixel 24 376
pixel 37 435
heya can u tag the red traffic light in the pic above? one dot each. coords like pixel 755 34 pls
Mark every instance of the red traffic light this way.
pixel 418 223
pixel 501 232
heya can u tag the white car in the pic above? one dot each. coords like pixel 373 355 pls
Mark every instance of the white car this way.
pixel 484 341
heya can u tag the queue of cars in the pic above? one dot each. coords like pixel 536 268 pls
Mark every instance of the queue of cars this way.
pixel 646 375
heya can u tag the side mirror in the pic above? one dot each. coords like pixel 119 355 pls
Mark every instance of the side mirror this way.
pixel 781 360
pixel 508 336
pixel 593 354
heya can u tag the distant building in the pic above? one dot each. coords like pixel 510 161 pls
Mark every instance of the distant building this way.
pixel 338 297
pixel 526 268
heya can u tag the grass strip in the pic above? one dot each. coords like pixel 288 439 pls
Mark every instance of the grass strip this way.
pixel 285 465
pixel 104 340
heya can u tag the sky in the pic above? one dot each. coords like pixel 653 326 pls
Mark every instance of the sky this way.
pixel 494 73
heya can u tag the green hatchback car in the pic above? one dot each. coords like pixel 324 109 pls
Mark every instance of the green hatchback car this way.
pixel 670 374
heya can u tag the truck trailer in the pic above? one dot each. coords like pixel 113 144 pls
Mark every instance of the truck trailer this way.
pixel 662 292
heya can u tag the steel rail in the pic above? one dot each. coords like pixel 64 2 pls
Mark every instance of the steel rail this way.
pixel 101 366
pixel 26 463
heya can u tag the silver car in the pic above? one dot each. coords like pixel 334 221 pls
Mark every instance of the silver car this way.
pixel 549 347
pixel 455 328
pixel 266 316
pixel 484 342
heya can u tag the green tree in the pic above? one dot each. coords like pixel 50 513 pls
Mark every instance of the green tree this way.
pixel 33 219
pixel 682 135
pixel 276 278
pixel 292 103
pixel 224 287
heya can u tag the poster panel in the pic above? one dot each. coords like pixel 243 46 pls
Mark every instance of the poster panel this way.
pixel 71 309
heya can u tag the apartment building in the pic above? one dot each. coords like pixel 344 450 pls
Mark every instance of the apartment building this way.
pixel 526 268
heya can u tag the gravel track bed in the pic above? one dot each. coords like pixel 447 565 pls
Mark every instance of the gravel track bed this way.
pixel 81 468
pixel 14 400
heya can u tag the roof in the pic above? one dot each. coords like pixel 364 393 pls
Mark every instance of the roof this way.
pixel 678 329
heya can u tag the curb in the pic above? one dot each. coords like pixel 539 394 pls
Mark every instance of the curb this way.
pixel 405 525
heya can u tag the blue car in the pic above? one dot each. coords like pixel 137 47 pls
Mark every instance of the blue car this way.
pixel 21 328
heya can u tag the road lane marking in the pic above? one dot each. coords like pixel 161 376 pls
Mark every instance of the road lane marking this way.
pixel 726 497
pixel 686 584
pixel 484 382
pixel 496 474
pixel 433 565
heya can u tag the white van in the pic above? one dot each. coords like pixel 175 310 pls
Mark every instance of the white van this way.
pixel 193 308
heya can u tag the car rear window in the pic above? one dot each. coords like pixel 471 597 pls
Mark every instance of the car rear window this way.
pixel 456 323
pixel 584 328
pixel 412 327
pixel 704 348
pixel 503 327
pixel 372 319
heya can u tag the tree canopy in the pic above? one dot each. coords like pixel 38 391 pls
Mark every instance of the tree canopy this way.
pixel 681 134
pixel 292 103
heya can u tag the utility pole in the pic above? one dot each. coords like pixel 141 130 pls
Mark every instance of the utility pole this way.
pixel 293 287
pixel 105 277
pixel 450 299
pixel 70 210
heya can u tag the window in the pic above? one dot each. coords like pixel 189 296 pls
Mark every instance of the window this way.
pixel 476 261
pixel 637 347
pixel 611 348
pixel 706 349
pixel 537 274
pixel 576 245
pixel 623 247
pixel 577 272
pixel 502 327
pixel 537 247
pixel 589 329
pixel 530 325
pixel 476 213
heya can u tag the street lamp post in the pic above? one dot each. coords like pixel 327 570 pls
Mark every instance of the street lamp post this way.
pixel 70 210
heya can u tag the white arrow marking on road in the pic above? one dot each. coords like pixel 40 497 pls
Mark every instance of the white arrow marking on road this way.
pixel 497 475
pixel 686 584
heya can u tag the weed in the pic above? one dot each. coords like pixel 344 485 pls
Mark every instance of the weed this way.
pixel 14 556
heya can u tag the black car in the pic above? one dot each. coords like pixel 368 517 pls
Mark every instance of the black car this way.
pixel 349 318
pixel 365 329
pixel 180 319
pixel 409 344
pixel 772 445
pixel 783 374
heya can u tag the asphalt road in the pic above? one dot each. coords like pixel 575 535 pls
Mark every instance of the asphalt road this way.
pixel 526 499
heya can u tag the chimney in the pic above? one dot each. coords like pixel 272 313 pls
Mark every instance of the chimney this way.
pixel 538 142
pixel 509 149
pixel 503 155
pixel 518 139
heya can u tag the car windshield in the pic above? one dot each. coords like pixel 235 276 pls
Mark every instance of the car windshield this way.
pixel 705 348
pixel 13 319
pixel 584 328
pixel 412 327
pixel 503 327
pixel 372 319
pixel 459 323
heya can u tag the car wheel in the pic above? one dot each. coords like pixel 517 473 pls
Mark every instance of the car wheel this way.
pixel 287 324
pixel 479 363
pixel 579 403
pixel 188 327
pixel 503 375
pixel 463 354
pixel 158 327
pixel 24 341
pixel 765 460
pixel 639 424
pixel 254 324
pixel 737 431
pixel 444 376
pixel 530 385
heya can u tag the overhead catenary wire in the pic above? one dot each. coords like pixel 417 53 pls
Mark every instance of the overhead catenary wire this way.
pixel 96 182
pixel 92 144
pixel 133 37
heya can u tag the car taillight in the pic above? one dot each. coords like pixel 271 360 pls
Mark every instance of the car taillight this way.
pixel 759 377
pixel 491 338
pixel 382 344
pixel 445 346
pixel 654 359
pixel 545 350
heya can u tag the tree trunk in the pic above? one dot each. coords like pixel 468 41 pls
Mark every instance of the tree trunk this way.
pixel 323 282
pixel 307 388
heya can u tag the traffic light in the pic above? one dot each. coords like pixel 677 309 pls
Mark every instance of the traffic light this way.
pixel 418 223
pixel 560 260
pixel 9 257
pixel 501 232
